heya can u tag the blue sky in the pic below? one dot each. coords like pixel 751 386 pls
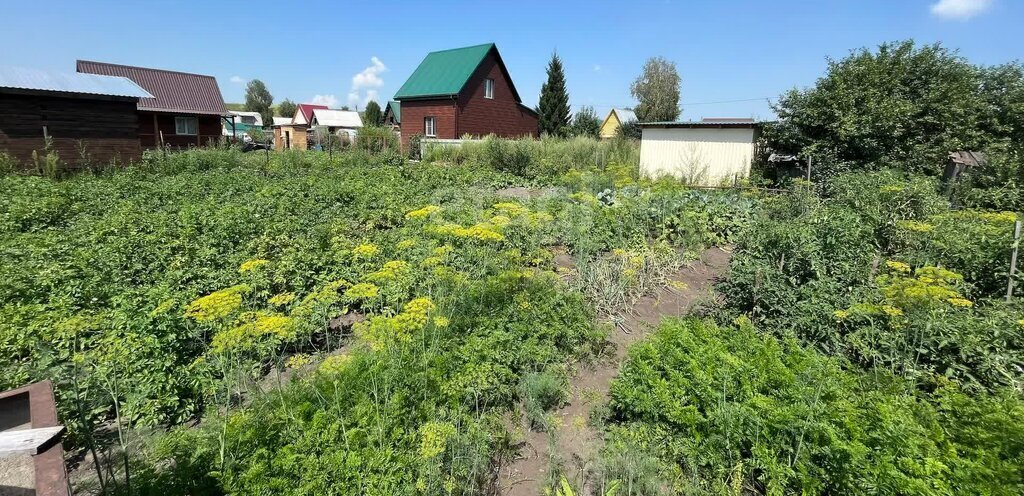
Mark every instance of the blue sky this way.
pixel 733 56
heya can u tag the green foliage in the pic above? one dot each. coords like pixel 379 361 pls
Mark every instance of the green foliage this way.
pixel 901 105
pixel 372 115
pixel 164 292
pixel 585 123
pixel 657 90
pixel 547 159
pixel 812 267
pixel 730 411
pixel 259 99
pixel 543 391
pixel 629 130
pixel 376 139
pixel 286 108
pixel 554 101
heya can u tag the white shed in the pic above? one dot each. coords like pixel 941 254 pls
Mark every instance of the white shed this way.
pixel 710 152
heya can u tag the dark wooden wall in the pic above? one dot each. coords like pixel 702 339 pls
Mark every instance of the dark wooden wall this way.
pixel 414 111
pixel 210 127
pixel 106 128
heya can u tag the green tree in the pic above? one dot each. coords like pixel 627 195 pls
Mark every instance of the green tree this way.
pixel 586 123
pixel 554 100
pixel 657 90
pixel 259 99
pixel 901 105
pixel 372 115
pixel 286 108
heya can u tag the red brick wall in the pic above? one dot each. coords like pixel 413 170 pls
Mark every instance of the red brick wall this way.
pixel 414 111
pixel 502 115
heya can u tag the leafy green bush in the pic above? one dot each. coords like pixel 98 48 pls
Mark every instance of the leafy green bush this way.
pixel 729 410
pixel 543 391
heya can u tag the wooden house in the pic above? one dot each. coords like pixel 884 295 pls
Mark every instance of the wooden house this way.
pixel 616 118
pixel 304 113
pixel 185 109
pixel 88 118
pixel 463 91
pixel 393 115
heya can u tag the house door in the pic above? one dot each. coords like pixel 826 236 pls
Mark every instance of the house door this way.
pixel 287 140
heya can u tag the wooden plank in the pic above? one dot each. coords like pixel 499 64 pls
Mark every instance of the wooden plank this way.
pixel 29 441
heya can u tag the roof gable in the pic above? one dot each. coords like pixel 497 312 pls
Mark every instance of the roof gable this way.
pixel 304 112
pixel 396 110
pixel 445 73
pixel 172 91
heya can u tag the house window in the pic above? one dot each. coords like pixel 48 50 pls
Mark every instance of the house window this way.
pixel 488 88
pixel 186 125
pixel 429 127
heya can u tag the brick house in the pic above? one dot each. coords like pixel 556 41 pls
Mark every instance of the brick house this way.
pixel 186 108
pixel 463 91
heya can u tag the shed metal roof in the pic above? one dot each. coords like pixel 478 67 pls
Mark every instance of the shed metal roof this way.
pixel 337 118
pixel 69 82
pixel 171 91
pixel 255 115
pixel 306 109
pixel 444 73
pixel 748 123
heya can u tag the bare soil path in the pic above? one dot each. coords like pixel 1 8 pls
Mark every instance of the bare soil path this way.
pixel 574 444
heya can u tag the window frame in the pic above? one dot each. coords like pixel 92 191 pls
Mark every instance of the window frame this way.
pixel 431 130
pixel 489 88
pixel 179 119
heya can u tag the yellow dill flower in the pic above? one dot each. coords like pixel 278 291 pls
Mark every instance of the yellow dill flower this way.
pixel 282 299
pixel 1020 322
pixel 449 484
pixel 334 364
pixel 405 244
pixel 898 266
pixel 511 209
pixel 500 220
pixel 916 226
pixel 441 321
pixel 391 270
pixel 434 437
pixel 362 291
pixel 841 314
pixel 892 188
pixel 423 212
pixel 584 198
pixel 891 310
pixel 443 250
pixel 960 302
pixel 382 332
pixel 248 335
pixel 679 285
pixel 481 232
pixel 365 250
pixel 251 265
pixel 298 360
pixel 431 261
pixel 218 304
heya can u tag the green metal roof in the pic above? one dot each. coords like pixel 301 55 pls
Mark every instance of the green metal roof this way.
pixel 396 109
pixel 444 73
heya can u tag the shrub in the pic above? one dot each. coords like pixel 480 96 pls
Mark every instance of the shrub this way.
pixel 732 410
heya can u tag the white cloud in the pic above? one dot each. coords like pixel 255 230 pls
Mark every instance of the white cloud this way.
pixel 330 100
pixel 365 83
pixel 597 68
pixel 237 79
pixel 959 10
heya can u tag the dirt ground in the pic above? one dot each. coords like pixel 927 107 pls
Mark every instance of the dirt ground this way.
pixel 574 443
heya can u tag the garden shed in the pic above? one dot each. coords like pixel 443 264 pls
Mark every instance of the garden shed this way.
pixel 88 118
pixel 616 118
pixel 183 109
pixel 710 152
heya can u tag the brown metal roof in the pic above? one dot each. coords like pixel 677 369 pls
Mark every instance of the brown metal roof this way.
pixel 174 91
